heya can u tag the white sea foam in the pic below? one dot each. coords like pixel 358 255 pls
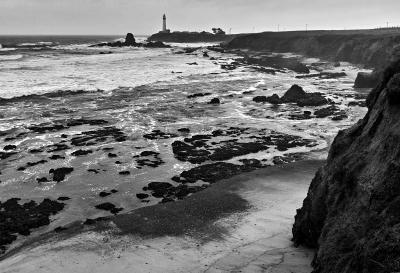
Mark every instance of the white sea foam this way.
pixel 86 69
pixel 11 57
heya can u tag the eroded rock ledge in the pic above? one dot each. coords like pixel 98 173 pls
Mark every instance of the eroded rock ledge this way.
pixel 352 210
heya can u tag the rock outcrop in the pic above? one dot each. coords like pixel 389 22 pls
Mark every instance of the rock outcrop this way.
pixel 352 211
pixel 131 41
pixel 367 80
pixel 297 95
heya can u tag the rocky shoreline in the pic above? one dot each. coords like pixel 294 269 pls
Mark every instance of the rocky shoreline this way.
pixel 209 152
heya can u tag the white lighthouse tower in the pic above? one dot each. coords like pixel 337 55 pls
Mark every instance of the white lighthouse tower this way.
pixel 164 27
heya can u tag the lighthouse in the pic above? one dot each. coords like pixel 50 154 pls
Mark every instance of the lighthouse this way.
pixel 164 27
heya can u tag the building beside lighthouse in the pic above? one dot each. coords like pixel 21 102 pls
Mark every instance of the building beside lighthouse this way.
pixel 164 26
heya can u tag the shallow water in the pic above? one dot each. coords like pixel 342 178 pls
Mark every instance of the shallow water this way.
pixel 132 92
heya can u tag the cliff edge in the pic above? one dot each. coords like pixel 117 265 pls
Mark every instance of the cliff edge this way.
pixel 352 211
pixel 373 48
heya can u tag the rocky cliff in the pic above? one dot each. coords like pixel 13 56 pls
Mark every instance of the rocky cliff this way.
pixel 372 48
pixel 352 211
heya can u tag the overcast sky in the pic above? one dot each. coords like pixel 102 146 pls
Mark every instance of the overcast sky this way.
pixel 144 16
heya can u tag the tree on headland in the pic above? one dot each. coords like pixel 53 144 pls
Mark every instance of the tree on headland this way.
pixel 218 31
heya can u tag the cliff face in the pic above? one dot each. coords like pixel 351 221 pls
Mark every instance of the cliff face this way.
pixel 370 49
pixel 352 210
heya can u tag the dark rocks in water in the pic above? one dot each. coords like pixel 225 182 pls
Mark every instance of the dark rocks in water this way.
pixel 57 147
pixel 228 66
pixel 142 196
pixel 42 180
pixel 214 101
pixel 184 130
pixel 278 62
pixel 157 44
pixel 32 164
pixel 93 171
pixel 9 147
pixel 188 152
pixel 265 70
pixel 210 173
pixel 130 40
pixel 158 189
pixel 194 63
pixel 168 192
pixel 294 94
pixel 62 125
pixel 297 95
pixel 339 117
pixel 100 135
pixel 303 116
pixel 367 80
pixel 124 173
pixel 260 99
pixel 56 157
pixel 331 111
pixel 111 155
pixel 149 159
pixel 21 219
pixel 157 134
pixel 358 103
pixel 325 112
pixel 60 173
pixel 324 75
pixel 274 99
pixel 35 151
pixel 104 194
pixel 205 54
pixel 109 207
pixel 201 148
pixel 351 212
pixel 81 152
pixel 198 95
pixel 63 198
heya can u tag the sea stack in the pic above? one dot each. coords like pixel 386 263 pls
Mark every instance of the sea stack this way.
pixel 130 40
pixel 352 210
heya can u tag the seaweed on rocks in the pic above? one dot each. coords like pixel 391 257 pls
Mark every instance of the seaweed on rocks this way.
pixel 16 218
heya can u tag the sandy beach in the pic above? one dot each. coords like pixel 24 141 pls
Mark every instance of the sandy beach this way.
pixel 249 230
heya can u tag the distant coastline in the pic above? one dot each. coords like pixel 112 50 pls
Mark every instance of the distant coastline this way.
pixel 191 37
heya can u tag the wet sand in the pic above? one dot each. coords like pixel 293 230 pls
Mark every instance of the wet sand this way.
pixel 242 224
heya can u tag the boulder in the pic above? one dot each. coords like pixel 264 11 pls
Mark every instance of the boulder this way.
pixel 215 101
pixel 294 94
pixel 260 99
pixel 274 99
pixel 367 80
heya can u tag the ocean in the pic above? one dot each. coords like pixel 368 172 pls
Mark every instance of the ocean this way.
pixel 118 118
